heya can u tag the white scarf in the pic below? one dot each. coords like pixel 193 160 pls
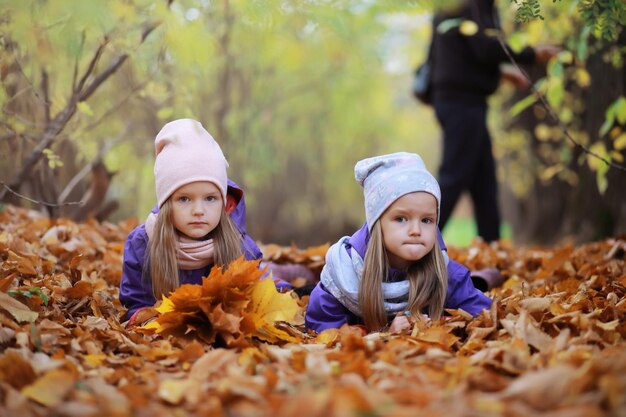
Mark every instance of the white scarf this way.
pixel 342 274
pixel 191 254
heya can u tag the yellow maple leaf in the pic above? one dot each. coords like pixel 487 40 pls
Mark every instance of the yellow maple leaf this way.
pixel 152 325
pixel 267 305
pixel 166 305
pixel 270 305
pixel 269 333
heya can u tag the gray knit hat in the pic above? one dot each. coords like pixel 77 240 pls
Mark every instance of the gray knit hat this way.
pixel 386 178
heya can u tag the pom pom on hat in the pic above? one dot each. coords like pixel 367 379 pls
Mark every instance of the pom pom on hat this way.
pixel 186 153
pixel 386 178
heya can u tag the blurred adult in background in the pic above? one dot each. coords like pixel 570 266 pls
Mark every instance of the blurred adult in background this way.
pixel 467 67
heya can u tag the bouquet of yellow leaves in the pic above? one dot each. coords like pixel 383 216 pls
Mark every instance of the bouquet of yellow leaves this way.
pixel 231 307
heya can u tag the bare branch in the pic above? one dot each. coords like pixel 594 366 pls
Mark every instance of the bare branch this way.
pixel 74 182
pixel 89 90
pixel 148 30
pixel 111 69
pixel 92 65
pixel 59 122
pixel 46 94
pixel 43 203
pixel 75 76
pixel 52 130
pixel 87 169
pixel 28 80
pixel 114 108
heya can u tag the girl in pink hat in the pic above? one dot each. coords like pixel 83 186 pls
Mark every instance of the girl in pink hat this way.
pixel 199 221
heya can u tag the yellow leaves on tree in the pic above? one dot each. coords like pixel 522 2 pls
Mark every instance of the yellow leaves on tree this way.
pixel 231 307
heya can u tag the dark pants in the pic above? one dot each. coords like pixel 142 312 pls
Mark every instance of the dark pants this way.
pixel 468 164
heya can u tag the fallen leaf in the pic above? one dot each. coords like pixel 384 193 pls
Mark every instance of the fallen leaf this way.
pixel 79 290
pixel 534 304
pixel 15 370
pixel 173 390
pixel 543 389
pixel 19 311
pixel 50 389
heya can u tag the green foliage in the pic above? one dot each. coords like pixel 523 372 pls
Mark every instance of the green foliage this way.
pixel 522 105
pixel 615 112
pixel 605 17
pixel 528 10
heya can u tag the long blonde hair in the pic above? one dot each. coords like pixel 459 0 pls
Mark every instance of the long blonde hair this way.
pixel 162 263
pixel 428 282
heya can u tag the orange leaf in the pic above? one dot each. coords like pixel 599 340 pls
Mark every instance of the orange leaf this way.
pixel 267 306
pixel 439 335
pixel 186 297
pixel 5 283
pixel 16 370
pixel 224 322
pixel 24 264
pixel 79 290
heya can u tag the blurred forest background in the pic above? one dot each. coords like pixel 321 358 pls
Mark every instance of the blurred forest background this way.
pixel 296 92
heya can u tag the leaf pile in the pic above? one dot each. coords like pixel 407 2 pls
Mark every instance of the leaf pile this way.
pixel 230 307
pixel 552 344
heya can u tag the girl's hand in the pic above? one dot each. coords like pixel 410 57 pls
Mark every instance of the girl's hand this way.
pixel 401 324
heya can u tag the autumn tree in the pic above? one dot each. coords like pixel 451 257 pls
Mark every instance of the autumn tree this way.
pixel 565 167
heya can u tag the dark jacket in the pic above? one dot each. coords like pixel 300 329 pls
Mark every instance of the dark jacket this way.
pixel 466 67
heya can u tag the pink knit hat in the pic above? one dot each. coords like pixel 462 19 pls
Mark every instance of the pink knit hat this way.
pixel 186 153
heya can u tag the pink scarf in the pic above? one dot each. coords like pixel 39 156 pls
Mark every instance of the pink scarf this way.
pixel 191 254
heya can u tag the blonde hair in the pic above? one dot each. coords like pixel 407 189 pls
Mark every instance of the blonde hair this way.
pixel 162 263
pixel 428 282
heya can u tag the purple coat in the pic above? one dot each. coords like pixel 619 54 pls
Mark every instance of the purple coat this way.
pixel 324 311
pixel 136 289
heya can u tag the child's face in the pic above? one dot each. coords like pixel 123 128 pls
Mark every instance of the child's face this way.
pixel 409 228
pixel 197 208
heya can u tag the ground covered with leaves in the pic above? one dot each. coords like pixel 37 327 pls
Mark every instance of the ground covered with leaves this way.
pixel 552 344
